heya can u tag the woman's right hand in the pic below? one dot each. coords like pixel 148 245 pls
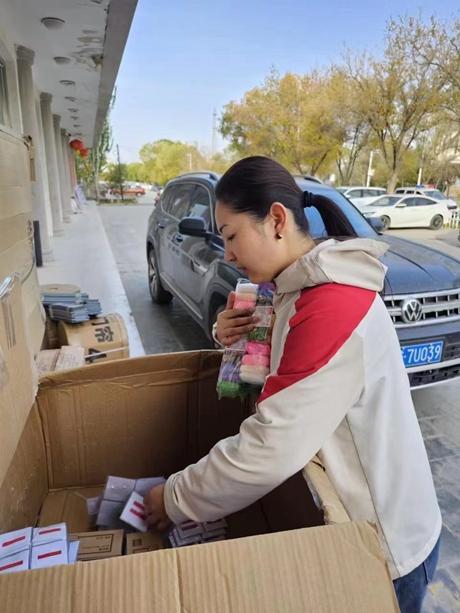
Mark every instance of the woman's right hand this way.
pixel 233 323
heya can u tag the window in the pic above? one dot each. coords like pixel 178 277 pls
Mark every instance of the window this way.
pixel 166 199
pixel 409 201
pixel 4 106
pixel 423 202
pixel 200 204
pixel 436 194
pixel 355 193
pixel 180 205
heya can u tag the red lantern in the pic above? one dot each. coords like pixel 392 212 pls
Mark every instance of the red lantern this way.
pixel 84 153
pixel 76 144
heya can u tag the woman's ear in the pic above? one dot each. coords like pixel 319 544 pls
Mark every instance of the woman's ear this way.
pixel 278 215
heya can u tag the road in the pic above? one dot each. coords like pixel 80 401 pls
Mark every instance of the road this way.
pixel 168 328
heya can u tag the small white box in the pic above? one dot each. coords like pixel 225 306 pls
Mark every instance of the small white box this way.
pixel 213 537
pixel 118 489
pixel 143 486
pixel 177 541
pixel 93 504
pixel 15 562
pixel 49 554
pixel 109 513
pixel 218 525
pixel 12 542
pixel 188 529
pixel 72 551
pixel 48 534
pixel 134 513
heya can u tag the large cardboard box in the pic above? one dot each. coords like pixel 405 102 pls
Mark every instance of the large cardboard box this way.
pixel 17 253
pixel 151 416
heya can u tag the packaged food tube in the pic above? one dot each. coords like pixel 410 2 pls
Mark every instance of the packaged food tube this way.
pixel 255 348
pixel 254 375
pixel 244 303
pixel 229 389
pixel 255 360
pixel 246 287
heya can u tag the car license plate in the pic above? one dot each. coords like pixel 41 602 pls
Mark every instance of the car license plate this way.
pixel 423 353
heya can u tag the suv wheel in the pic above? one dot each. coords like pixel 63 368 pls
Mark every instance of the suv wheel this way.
pixel 386 222
pixel 436 222
pixel 157 291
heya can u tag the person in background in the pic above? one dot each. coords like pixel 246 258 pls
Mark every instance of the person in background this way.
pixel 337 385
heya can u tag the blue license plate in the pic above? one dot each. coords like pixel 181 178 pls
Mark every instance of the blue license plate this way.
pixel 423 353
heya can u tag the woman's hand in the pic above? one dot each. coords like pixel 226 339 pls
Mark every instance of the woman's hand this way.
pixel 233 323
pixel 155 508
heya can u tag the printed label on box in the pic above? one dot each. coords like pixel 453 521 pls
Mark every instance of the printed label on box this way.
pixel 189 528
pixel 12 542
pixel 15 562
pixel 49 554
pixel 48 534
pixel 134 513
pixel 97 545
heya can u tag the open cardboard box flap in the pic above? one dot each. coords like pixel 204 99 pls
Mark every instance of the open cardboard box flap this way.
pixel 151 416
pixel 326 569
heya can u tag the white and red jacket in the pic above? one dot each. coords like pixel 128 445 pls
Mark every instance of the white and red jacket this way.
pixel 337 388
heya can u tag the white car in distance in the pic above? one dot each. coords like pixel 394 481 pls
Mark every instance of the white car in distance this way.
pixel 408 211
pixel 361 196
pixel 429 193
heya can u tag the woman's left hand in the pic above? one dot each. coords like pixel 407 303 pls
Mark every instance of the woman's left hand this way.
pixel 155 508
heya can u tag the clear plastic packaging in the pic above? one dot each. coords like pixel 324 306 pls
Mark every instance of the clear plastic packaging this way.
pixel 246 363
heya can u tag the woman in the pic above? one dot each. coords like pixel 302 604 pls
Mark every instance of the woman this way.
pixel 337 386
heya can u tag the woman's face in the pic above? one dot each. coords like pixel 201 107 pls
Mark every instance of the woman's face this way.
pixel 249 244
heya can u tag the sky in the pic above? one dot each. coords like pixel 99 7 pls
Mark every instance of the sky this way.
pixel 184 58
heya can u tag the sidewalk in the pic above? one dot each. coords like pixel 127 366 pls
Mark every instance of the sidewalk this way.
pixel 82 256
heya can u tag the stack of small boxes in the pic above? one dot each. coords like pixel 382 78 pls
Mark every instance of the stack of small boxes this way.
pixel 32 548
pixel 193 533
pixel 117 502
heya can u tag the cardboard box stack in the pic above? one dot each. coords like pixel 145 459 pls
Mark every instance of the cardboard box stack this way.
pixel 153 416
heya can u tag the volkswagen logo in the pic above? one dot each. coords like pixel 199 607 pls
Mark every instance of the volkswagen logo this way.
pixel 411 310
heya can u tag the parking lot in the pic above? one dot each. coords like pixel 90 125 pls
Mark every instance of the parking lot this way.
pixel 169 328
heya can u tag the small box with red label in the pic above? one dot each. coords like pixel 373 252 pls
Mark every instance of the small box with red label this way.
pixel 49 554
pixel 15 562
pixel 13 542
pixel 48 534
pixel 134 513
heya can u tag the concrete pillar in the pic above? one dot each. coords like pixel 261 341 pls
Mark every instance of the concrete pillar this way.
pixel 25 59
pixel 51 162
pixel 65 199
pixel 65 153
pixel 42 158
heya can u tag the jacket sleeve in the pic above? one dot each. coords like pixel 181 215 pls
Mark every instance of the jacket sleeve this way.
pixel 300 407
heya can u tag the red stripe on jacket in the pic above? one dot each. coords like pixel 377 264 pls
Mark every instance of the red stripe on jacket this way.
pixel 325 317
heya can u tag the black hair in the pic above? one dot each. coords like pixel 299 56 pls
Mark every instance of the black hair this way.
pixel 254 183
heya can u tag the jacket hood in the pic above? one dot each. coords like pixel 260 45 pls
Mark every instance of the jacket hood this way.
pixel 352 262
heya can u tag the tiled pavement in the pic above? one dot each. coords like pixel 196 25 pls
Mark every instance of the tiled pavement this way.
pixel 438 410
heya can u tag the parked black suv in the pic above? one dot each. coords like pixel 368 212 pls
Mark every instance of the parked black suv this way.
pixel 422 288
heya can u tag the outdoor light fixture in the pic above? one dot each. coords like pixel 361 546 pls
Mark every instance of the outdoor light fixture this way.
pixel 62 60
pixel 73 110
pixel 52 23
pixel 74 117
pixel 70 98
pixel 77 125
pixel 66 82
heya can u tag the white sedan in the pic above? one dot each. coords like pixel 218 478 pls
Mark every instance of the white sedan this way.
pixel 409 211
